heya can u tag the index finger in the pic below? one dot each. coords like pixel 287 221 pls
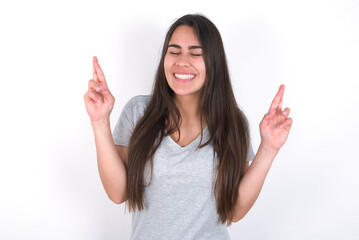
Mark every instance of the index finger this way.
pixel 98 70
pixel 94 70
pixel 278 100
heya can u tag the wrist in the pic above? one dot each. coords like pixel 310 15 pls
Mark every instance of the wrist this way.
pixel 101 123
pixel 268 149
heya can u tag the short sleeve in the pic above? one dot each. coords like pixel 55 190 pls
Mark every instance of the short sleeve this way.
pixel 125 125
pixel 250 153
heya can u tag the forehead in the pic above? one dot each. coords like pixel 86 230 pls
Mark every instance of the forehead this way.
pixel 184 36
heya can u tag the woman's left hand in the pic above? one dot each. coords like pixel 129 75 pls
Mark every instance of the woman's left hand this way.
pixel 275 125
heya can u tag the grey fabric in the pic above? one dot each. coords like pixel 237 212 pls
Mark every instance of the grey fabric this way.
pixel 179 202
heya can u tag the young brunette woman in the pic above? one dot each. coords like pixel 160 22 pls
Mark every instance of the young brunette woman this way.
pixel 180 156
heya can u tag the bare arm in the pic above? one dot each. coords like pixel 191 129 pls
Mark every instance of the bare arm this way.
pixel 123 152
pixel 99 103
pixel 274 129
pixel 252 182
pixel 111 167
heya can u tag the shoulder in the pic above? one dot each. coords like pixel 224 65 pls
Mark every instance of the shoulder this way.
pixel 136 106
pixel 140 100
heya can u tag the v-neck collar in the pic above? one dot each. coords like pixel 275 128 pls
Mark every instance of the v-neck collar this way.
pixel 194 143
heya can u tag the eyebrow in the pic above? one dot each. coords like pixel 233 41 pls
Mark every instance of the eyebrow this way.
pixel 179 47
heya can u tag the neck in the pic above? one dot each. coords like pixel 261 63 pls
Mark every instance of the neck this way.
pixel 189 108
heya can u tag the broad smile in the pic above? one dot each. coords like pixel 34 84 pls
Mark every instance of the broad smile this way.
pixel 184 77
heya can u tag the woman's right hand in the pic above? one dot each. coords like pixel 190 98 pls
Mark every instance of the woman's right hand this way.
pixel 98 99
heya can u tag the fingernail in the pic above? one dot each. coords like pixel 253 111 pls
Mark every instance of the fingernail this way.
pixel 97 88
pixel 99 100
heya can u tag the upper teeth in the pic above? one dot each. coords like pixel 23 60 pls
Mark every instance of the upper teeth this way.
pixel 184 76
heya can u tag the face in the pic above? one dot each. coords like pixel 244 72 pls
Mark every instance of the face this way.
pixel 185 69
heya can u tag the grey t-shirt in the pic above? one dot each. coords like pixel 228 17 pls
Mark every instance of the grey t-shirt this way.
pixel 179 202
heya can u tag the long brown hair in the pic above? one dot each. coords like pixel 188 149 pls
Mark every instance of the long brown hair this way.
pixel 226 123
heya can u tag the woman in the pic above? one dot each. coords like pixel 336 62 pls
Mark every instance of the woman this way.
pixel 180 156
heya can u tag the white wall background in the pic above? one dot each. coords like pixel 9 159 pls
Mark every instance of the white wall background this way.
pixel 50 187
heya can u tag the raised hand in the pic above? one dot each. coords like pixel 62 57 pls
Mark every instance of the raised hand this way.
pixel 98 99
pixel 275 125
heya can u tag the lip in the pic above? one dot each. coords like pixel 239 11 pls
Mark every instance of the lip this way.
pixel 184 80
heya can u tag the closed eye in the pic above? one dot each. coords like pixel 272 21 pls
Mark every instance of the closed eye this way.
pixel 192 54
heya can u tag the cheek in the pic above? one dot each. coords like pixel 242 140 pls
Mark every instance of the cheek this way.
pixel 165 64
pixel 168 62
pixel 202 69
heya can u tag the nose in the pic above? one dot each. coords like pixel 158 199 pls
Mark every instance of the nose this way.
pixel 183 61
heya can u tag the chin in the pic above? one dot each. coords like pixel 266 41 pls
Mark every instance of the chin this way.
pixel 184 89
pixel 183 93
